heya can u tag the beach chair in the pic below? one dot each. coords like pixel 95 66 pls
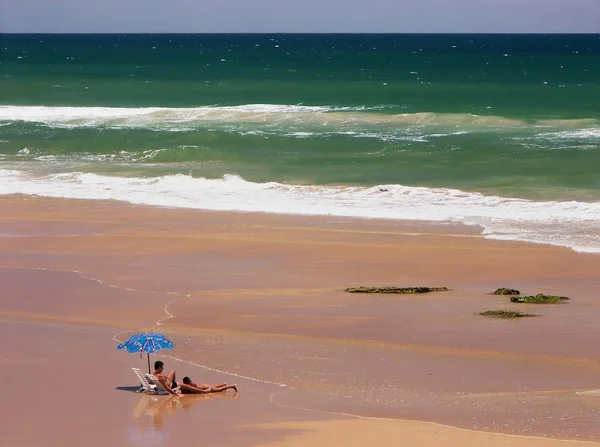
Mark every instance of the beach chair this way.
pixel 145 386
pixel 158 388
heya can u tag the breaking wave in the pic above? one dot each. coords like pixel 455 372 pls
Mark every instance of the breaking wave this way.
pixel 563 223
pixel 187 118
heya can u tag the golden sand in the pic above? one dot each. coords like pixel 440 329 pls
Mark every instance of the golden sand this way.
pixel 259 300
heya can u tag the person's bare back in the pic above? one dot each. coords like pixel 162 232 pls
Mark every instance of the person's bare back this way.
pixel 168 381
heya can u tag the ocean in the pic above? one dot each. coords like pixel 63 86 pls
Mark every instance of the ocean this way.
pixel 499 131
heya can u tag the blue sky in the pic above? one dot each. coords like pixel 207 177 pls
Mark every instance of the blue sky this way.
pixel 208 16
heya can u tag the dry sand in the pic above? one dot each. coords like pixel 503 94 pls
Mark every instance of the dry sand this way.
pixel 258 300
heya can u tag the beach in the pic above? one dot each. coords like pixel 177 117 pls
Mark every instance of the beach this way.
pixel 258 299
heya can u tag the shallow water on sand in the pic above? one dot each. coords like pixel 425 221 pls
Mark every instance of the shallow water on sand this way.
pixel 483 391
pixel 259 301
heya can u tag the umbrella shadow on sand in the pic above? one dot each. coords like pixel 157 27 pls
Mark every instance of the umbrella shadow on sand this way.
pixel 152 409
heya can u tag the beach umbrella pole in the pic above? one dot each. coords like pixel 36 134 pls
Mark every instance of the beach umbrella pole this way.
pixel 148 363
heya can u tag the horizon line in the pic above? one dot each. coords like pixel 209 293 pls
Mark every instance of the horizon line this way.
pixel 298 33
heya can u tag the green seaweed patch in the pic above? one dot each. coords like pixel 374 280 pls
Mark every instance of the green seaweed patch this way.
pixel 505 314
pixel 505 291
pixel 402 290
pixel 540 298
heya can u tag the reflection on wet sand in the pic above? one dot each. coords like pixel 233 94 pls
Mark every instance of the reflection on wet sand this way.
pixel 263 296
pixel 151 409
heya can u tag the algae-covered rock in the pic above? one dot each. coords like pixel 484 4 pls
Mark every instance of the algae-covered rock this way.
pixel 506 314
pixel 505 291
pixel 540 298
pixel 403 290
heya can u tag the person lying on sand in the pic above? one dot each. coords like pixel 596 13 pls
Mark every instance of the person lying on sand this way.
pixel 189 387
pixel 168 381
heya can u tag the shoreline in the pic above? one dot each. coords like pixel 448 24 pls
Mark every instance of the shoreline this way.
pixel 581 235
pixel 263 295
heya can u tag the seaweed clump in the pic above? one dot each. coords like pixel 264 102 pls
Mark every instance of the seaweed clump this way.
pixel 506 314
pixel 540 298
pixel 505 291
pixel 402 290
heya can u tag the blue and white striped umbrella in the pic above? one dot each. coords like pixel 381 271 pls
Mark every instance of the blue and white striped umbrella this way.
pixel 148 342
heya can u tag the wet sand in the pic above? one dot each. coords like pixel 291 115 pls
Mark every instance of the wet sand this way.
pixel 258 300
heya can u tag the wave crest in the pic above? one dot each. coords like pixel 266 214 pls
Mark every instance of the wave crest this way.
pixel 189 118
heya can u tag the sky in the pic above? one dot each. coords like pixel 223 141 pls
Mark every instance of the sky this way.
pixel 310 16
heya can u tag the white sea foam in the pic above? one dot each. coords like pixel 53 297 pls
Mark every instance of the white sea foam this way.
pixel 568 223
pixel 143 115
pixel 183 119
pixel 589 133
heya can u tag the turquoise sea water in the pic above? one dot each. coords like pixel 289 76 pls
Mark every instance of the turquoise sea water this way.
pixel 502 131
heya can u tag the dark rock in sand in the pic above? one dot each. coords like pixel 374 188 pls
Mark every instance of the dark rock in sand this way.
pixel 506 314
pixel 401 290
pixel 540 298
pixel 505 291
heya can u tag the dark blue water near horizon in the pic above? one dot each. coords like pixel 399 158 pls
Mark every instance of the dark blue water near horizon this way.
pixel 277 68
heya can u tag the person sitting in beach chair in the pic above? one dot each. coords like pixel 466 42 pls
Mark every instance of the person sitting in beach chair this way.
pixel 168 382
pixel 189 387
